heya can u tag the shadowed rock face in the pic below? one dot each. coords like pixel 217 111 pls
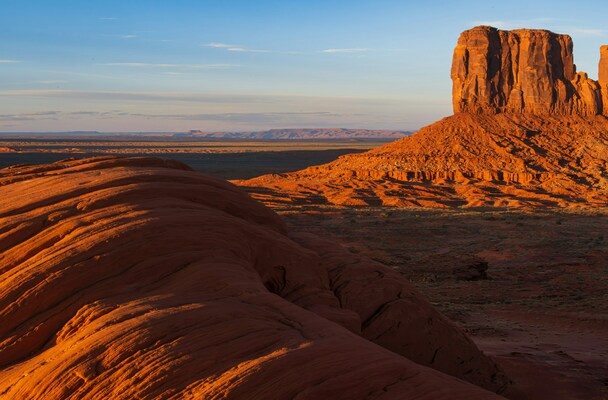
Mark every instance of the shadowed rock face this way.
pixel 526 70
pixel 137 278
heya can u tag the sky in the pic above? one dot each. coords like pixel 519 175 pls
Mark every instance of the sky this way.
pixel 240 65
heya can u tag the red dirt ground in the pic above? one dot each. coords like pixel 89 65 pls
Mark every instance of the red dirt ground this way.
pixel 543 312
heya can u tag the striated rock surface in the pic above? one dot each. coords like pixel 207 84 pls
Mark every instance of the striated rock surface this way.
pixel 137 278
pixel 528 132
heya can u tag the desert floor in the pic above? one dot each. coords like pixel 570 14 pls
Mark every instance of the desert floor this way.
pixel 542 310
pixel 223 159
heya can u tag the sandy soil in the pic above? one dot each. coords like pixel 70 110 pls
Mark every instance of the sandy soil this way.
pixel 541 312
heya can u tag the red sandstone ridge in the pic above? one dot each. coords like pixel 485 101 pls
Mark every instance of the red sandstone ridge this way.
pixel 528 131
pixel 138 278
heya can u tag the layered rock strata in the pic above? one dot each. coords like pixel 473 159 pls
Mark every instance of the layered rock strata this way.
pixel 138 278
pixel 466 160
pixel 523 71
pixel 528 131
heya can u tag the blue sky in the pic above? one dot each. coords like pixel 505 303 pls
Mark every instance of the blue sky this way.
pixel 248 65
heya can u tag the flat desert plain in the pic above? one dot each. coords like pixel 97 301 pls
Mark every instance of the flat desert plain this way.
pixel 222 159
pixel 530 288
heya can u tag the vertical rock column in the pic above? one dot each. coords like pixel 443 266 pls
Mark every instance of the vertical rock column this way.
pixel 523 71
pixel 603 76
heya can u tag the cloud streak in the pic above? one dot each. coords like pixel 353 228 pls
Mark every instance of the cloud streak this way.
pixel 40 82
pixel 236 48
pixel 241 49
pixel 50 82
pixel 285 101
pixel 164 65
pixel 143 96
pixel 347 50
pixel 256 117
pixel 586 32
pixel 9 61
pixel 30 116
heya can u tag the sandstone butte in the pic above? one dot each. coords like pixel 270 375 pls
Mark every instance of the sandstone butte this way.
pixel 139 278
pixel 527 131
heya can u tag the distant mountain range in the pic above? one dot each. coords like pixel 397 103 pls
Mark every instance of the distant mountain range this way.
pixel 272 134
pixel 304 134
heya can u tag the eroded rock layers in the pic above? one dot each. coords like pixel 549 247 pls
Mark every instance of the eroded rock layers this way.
pixel 528 131
pixel 526 70
pixel 514 160
pixel 137 278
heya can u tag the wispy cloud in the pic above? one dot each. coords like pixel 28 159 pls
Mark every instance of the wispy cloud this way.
pixel 8 61
pixel 174 73
pixel 260 117
pixel 40 82
pixel 347 50
pixel 163 111
pixel 586 32
pixel 128 36
pixel 50 82
pixel 144 96
pixel 220 45
pixel 193 97
pixel 162 65
pixel 246 50
pixel 256 117
pixel 237 48
pixel 30 116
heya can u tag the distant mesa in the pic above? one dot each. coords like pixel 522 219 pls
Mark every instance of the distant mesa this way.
pixel 528 131
pixel 125 278
pixel 305 134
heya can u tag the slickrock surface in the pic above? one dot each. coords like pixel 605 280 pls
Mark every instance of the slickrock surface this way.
pixel 527 132
pixel 137 278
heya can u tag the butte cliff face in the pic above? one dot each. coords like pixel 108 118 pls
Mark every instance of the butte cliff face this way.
pixel 523 71
pixel 138 278
pixel 528 131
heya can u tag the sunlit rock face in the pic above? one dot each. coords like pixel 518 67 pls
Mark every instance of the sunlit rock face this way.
pixel 603 66
pixel 141 279
pixel 523 71
pixel 528 132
